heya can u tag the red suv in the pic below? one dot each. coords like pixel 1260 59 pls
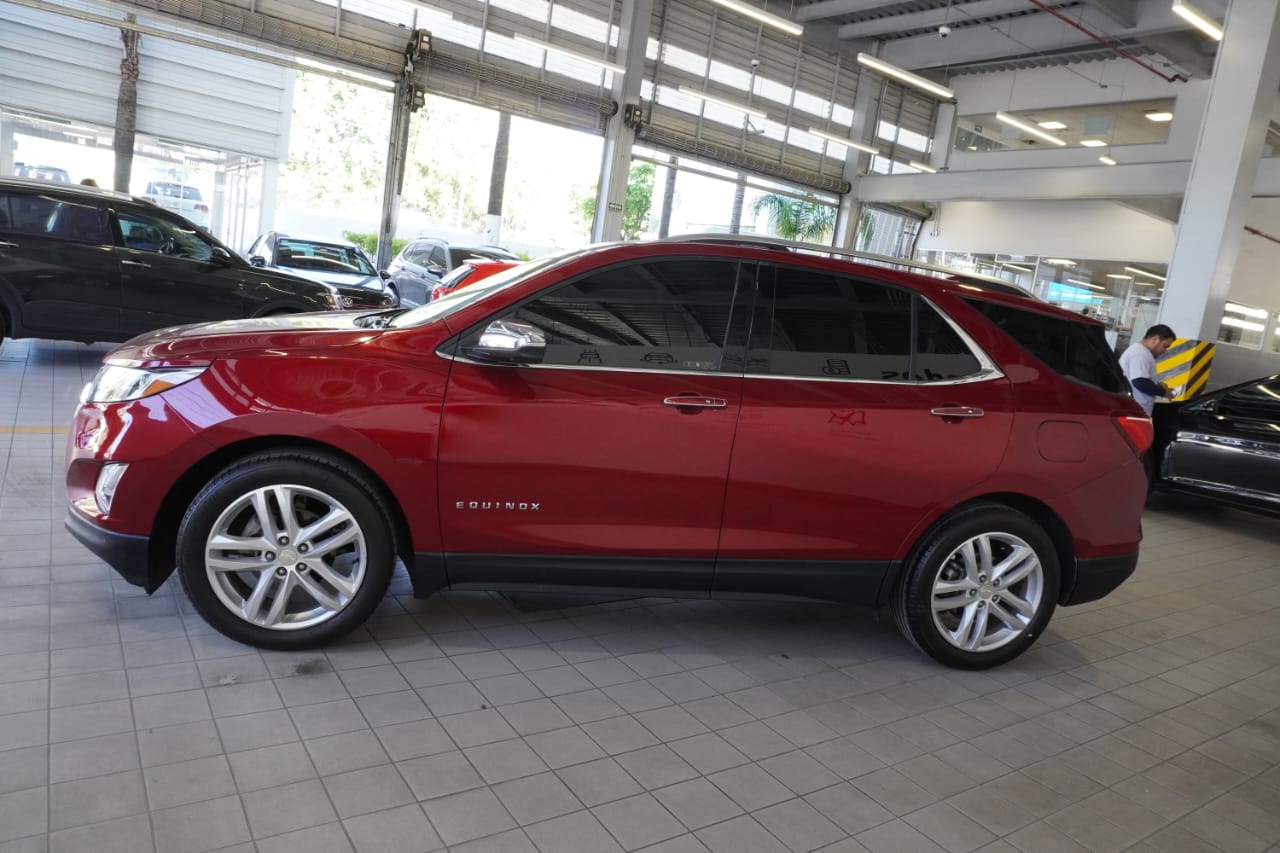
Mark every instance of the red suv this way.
pixel 687 418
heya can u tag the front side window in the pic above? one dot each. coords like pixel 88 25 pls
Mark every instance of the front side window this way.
pixel 1258 403
pixel 148 233
pixel 657 315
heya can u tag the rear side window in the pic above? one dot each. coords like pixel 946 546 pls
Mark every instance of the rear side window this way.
pixel 41 216
pixel 1076 351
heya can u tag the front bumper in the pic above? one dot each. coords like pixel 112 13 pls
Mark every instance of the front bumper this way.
pixel 1097 577
pixel 124 552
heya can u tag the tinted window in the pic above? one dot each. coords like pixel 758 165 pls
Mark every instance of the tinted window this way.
pixel 417 253
pixel 47 217
pixel 437 257
pixel 829 326
pixel 661 315
pixel 1077 351
pixel 148 233
pixel 941 353
pixel 1257 402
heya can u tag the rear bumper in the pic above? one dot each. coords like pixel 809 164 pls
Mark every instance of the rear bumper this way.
pixel 1096 577
pixel 124 552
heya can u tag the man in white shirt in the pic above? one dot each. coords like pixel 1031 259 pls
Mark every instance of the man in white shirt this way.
pixel 1139 365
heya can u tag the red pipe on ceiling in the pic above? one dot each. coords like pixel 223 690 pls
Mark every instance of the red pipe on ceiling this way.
pixel 1176 78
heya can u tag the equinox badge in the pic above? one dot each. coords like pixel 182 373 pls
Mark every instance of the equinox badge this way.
pixel 516 506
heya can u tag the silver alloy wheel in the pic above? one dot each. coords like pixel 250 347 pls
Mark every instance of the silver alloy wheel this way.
pixel 286 557
pixel 987 592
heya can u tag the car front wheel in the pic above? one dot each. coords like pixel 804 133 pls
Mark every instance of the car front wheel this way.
pixel 286 550
pixel 980 589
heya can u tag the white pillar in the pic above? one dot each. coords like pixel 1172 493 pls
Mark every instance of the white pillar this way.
pixel 6 146
pixel 1223 170
pixel 397 155
pixel 615 163
pixel 944 134
pixel 856 162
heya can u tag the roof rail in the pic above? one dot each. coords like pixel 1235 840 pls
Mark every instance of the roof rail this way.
pixel 780 244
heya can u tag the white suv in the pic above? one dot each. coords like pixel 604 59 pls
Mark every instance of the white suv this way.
pixel 182 199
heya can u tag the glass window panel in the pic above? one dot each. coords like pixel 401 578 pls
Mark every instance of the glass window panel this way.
pixel 1242 325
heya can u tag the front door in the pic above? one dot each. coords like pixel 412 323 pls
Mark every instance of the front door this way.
pixel 842 446
pixel 604 465
pixel 1229 444
pixel 170 275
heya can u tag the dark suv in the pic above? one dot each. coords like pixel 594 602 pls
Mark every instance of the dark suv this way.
pixel 696 418
pixel 86 264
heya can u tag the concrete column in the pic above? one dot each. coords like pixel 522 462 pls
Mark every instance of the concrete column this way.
pixel 6 146
pixel 615 163
pixel 397 154
pixel 270 188
pixel 1223 170
pixel 856 162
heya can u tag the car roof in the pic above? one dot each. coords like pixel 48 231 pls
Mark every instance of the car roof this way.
pixel 41 185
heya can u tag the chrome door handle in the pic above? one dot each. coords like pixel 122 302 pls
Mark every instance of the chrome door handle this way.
pixel 692 401
pixel 957 412
pixel 138 264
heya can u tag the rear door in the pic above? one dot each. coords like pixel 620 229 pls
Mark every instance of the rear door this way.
pixel 605 464
pixel 1230 444
pixel 57 262
pixel 849 433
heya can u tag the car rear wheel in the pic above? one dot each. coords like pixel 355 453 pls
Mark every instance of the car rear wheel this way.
pixel 286 550
pixel 980 589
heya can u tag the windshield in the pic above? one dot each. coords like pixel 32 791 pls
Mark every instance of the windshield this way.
pixel 459 299
pixel 322 257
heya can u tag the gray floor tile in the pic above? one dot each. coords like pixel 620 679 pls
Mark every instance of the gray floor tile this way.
pixel 638 821
pixel 369 790
pixel 536 798
pixel 97 799
pixel 188 782
pixel 122 835
pixel 697 803
pixel 350 751
pixel 326 838
pixel 579 832
pixel 277 810
pixel 404 829
pixel 271 766
pixel 439 775
pixel 468 815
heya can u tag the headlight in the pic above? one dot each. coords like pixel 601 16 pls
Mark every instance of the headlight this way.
pixel 115 384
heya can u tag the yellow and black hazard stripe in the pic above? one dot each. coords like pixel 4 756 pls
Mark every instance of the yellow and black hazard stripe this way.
pixel 1185 367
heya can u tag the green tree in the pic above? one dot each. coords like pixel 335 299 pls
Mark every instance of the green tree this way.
pixel 797 219
pixel 866 230
pixel 635 215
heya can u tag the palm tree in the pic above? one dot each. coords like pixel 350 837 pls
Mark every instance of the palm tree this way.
pixel 797 219
pixel 126 109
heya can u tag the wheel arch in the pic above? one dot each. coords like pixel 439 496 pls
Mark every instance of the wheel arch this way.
pixel 1037 510
pixel 162 556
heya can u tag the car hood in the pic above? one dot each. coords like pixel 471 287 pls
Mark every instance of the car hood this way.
pixel 204 342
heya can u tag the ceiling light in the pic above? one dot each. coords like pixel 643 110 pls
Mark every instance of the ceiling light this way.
pixel 788 27
pixel 1028 128
pixel 1015 267
pixel 906 77
pixel 1062 262
pixel 1119 276
pixel 1052 125
pixel 711 99
pixel 1088 284
pixel 1093 143
pixel 840 140
pixel 922 167
pixel 1159 115
pixel 542 45
pixel 1144 272
pixel 1197 19
pixel 1106 161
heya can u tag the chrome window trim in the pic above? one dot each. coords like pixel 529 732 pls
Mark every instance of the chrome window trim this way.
pixel 1251 494
pixel 1234 445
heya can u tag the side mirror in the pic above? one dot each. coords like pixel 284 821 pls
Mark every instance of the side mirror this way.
pixel 384 275
pixel 258 261
pixel 220 256
pixel 436 269
pixel 509 342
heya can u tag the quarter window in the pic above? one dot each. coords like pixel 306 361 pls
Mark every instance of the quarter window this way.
pixel 660 315
pixel 940 353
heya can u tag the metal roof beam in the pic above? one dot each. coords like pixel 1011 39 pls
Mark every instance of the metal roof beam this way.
pixel 1123 13
pixel 836 8
pixel 958 13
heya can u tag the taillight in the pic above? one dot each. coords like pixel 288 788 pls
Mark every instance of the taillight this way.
pixel 1137 431
pixel 203 208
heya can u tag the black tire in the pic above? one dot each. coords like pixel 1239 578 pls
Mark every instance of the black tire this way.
pixel 315 473
pixel 913 598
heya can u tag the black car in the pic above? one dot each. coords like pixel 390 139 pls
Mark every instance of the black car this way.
pixel 423 262
pixel 342 264
pixel 85 264
pixel 1224 445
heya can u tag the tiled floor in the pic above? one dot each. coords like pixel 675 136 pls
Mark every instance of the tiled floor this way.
pixel 1147 721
